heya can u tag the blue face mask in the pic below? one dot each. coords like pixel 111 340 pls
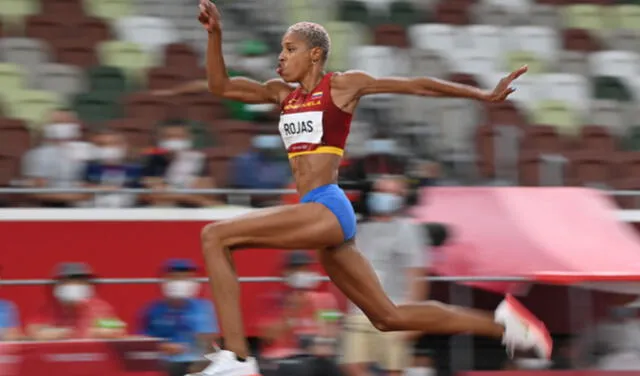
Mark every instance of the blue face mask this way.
pixel 384 203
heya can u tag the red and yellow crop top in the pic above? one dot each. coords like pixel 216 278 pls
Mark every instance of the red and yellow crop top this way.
pixel 310 123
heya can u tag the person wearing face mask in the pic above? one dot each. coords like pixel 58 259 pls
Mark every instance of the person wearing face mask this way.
pixel 396 247
pixel 265 166
pixel 58 162
pixel 73 310
pixel 110 170
pixel 9 321
pixel 383 158
pixel 175 164
pixel 300 328
pixel 187 324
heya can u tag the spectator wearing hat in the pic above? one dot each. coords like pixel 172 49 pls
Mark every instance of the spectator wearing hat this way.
pixel 9 323
pixel 300 325
pixel 187 324
pixel 73 311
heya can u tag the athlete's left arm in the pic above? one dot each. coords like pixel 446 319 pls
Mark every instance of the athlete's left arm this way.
pixel 363 84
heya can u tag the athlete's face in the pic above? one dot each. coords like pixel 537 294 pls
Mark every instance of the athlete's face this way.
pixel 296 58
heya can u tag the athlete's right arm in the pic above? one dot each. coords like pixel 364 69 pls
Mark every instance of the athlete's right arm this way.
pixel 236 88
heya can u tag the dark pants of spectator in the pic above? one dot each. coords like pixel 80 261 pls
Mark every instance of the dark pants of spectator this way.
pixel 300 366
pixel 178 368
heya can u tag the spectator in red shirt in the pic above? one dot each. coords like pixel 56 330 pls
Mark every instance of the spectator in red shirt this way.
pixel 300 325
pixel 73 311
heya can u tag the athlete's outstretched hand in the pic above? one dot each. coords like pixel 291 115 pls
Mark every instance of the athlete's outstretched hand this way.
pixel 503 89
pixel 209 16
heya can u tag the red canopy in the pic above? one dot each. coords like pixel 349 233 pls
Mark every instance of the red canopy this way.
pixel 572 233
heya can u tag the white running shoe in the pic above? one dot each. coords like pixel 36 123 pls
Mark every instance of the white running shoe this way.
pixel 522 330
pixel 225 363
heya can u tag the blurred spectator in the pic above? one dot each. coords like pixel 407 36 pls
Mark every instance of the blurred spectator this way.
pixel 188 324
pixel 613 344
pixel 265 166
pixel 176 165
pixel 396 248
pixel 58 162
pixel 383 158
pixel 73 311
pixel 9 322
pixel 111 170
pixel 299 332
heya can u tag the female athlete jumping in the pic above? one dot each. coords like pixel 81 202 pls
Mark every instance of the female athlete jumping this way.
pixel 314 124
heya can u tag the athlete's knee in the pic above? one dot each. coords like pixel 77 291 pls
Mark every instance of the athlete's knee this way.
pixel 388 322
pixel 213 234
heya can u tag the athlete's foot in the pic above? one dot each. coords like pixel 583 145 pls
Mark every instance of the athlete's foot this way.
pixel 225 363
pixel 522 330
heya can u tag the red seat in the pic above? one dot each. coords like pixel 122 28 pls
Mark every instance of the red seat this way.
pixel 9 169
pixel 529 168
pixel 79 52
pixel 93 28
pixel 543 138
pixel 627 164
pixel 631 184
pixel 149 107
pixel 485 149
pixel 391 35
pixel 15 139
pixel 580 40
pixel 505 113
pixel 182 56
pixel 64 9
pixel 46 27
pixel 235 134
pixel 453 12
pixel 164 78
pixel 203 108
pixel 588 167
pixel 597 138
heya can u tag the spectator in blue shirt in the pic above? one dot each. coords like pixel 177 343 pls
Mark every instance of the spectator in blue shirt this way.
pixel 187 324
pixel 264 167
pixel 9 324
pixel 112 170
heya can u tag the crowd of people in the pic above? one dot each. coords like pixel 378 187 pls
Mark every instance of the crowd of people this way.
pixel 67 157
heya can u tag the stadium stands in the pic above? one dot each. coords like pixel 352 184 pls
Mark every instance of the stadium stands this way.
pixel 579 100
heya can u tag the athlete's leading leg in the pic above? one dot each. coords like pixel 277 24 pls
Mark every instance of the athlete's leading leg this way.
pixel 305 226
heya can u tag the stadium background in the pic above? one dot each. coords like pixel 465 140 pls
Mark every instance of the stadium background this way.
pixel 573 121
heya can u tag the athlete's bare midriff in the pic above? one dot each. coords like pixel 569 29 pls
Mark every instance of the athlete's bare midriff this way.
pixel 314 170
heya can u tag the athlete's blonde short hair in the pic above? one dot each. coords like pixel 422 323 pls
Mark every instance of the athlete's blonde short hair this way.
pixel 315 35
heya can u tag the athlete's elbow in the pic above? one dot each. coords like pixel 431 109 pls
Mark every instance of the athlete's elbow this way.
pixel 218 87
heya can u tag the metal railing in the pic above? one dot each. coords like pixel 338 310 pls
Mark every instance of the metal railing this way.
pixel 138 281
pixel 213 191
pixel 210 191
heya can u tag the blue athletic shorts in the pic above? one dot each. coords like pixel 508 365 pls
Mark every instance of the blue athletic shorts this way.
pixel 334 199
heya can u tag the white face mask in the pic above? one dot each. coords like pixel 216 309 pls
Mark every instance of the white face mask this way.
pixel 62 131
pixel 73 293
pixel 176 145
pixel 303 280
pixel 111 153
pixel 420 371
pixel 181 289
